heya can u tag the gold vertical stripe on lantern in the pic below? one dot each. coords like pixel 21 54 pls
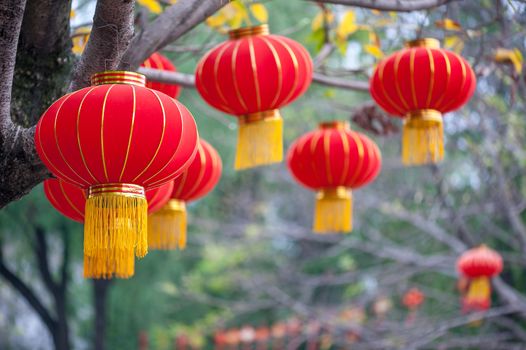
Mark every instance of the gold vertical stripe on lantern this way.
pixel 115 229
pixel 333 211
pixel 167 226
pixel 423 138
pixel 260 139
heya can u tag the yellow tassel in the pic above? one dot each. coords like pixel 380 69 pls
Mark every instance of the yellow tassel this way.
pixel 333 211
pixel 115 230
pixel 107 265
pixel 478 295
pixel 422 139
pixel 260 140
pixel 167 227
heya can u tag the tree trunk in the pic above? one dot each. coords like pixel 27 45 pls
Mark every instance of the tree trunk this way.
pixel 100 292
pixel 61 329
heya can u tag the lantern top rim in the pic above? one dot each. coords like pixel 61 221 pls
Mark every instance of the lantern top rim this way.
pixel 242 32
pixel 118 77
pixel 334 124
pixel 431 43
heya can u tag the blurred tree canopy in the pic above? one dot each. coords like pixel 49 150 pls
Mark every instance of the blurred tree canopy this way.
pixel 252 259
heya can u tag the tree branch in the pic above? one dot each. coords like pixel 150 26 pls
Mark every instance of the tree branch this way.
pixel 391 5
pixel 161 76
pixel 41 252
pixel 175 21
pixel 43 60
pixel 110 36
pixel 11 16
pixel 27 293
pixel 357 85
pixel 188 80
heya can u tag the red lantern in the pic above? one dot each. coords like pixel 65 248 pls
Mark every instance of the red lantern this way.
pixel 479 265
pixel 419 84
pixel 158 61
pixel 115 139
pixel 413 298
pixel 67 199
pixel 168 226
pixel 333 160
pixel 251 76
pixel 70 201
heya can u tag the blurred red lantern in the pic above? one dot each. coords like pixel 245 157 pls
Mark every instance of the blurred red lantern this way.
pixel 413 298
pixel 262 334
pixel 479 265
pixel 115 139
pixel 332 160
pixel 420 83
pixel 251 76
pixel 232 337
pixel 158 61
pixel 167 227
pixel 70 201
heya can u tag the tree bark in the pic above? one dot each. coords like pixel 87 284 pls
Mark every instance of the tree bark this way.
pixel 100 296
pixel 175 21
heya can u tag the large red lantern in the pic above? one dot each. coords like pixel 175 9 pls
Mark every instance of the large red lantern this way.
pixel 70 201
pixel 115 139
pixel 479 265
pixel 332 160
pixel 251 76
pixel 158 61
pixel 167 227
pixel 419 84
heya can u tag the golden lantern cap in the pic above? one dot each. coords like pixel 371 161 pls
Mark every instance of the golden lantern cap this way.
pixel 424 42
pixel 335 124
pixel 118 77
pixel 242 32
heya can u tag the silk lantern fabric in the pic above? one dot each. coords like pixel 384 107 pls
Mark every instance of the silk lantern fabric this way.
pixel 420 83
pixel 70 201
pixel 115 139
pixel 168 226
pixel 160 62
pixel 251 76
pixel 332 160
pixel 479 265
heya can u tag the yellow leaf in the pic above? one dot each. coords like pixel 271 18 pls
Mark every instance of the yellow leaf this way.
pixel 72 13
pixel 347 25
pixel 323 16
pixel 373 50
pixel 152 5
pixel 216 21
pixel 376 12
pixel 80 39
pixel 510 56
pixel 236 13
pixel 173 1
pixel 259 11
pixel 449 24
pixel 454 43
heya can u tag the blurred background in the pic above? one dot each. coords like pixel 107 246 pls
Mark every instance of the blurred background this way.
pixel 253 275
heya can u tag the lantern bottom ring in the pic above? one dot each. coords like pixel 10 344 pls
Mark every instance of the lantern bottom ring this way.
pixel 123 189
